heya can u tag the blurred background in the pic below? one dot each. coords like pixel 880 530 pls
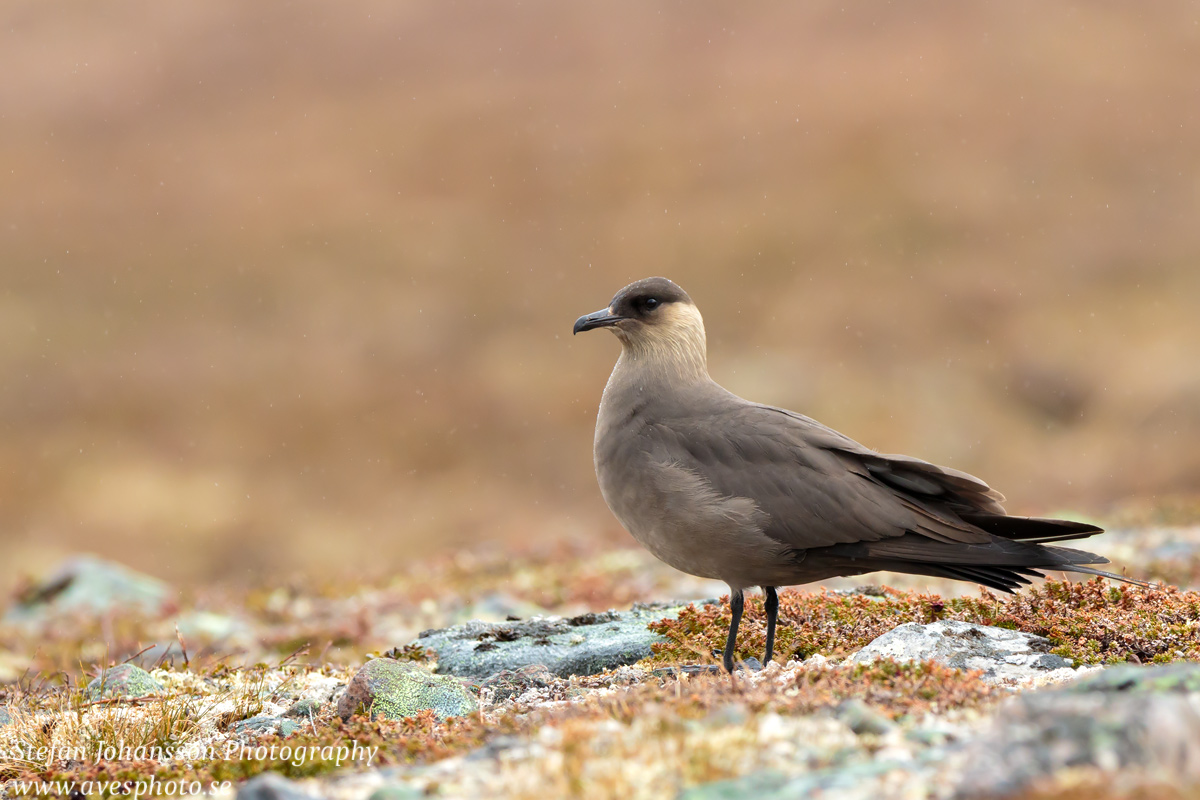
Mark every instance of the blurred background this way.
pixel 288 286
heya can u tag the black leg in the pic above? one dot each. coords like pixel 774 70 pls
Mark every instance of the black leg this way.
pixel 737 602
pixel 772 606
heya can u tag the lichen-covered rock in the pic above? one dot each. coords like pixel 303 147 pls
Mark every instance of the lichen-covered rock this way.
pixel 509 683
pixel 1000 653
pixel 398 689
pixel 1182 676
pixel 582 645
pixel 396 791
pixel 303 709
pixel 271 786
pixel 1039 734
pixel 92 586
pixel 766 784
pixel 856 780
pixel 5 718
pixel 123 680
pixel 264 724
pixel 862 719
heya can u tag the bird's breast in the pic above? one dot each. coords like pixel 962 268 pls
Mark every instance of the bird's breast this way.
pixel 673 512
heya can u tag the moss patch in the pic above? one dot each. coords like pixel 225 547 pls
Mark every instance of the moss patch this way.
pixel 1092 622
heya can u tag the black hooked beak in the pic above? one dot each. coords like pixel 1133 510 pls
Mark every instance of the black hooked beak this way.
pixel 597 319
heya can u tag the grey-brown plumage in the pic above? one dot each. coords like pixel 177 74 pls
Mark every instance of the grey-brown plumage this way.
pixel 720 487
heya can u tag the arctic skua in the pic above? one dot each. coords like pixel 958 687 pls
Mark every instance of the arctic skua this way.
pixel 720 487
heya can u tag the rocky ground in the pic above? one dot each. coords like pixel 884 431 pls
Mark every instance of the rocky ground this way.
pixel 557 675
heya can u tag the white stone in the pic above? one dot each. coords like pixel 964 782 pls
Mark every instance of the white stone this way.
pixel 1002 655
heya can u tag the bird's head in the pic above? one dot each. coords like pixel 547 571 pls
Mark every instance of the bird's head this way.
pixel 654 319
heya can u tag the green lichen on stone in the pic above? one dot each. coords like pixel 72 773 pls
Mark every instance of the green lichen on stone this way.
pixel 266 725
pixel 402 689
pixel 758 784
pixel 1183 676
pixel 303 709
pixel 396 791
pixel 587 644
pixel 123 680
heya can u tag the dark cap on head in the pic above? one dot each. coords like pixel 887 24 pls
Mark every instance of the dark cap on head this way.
pixel 639 300
pixel 661 289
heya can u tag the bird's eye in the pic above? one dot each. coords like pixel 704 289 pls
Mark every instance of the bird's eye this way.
pixel 650 303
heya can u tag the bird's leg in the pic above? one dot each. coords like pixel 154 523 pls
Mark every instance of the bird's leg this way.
pixel 772 606
pixel 737 602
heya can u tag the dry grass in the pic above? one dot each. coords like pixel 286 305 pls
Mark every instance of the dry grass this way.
pixel 42 740
pixel 36 742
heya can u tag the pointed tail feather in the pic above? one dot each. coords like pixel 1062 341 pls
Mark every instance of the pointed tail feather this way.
pixel 1035 530
pixel 1004 564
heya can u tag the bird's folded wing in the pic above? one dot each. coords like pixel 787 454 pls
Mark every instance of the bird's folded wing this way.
pixel 819 488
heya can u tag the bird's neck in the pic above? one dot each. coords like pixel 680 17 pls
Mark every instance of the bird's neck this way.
pixel 676 352
pixel 644 379
pixel 652 367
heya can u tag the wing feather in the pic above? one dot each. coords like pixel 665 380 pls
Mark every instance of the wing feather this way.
pixel 818 487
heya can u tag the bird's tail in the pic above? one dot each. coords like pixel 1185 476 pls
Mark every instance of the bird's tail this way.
pixel 1013 556
pixel 1009 579
pixel 1036 530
